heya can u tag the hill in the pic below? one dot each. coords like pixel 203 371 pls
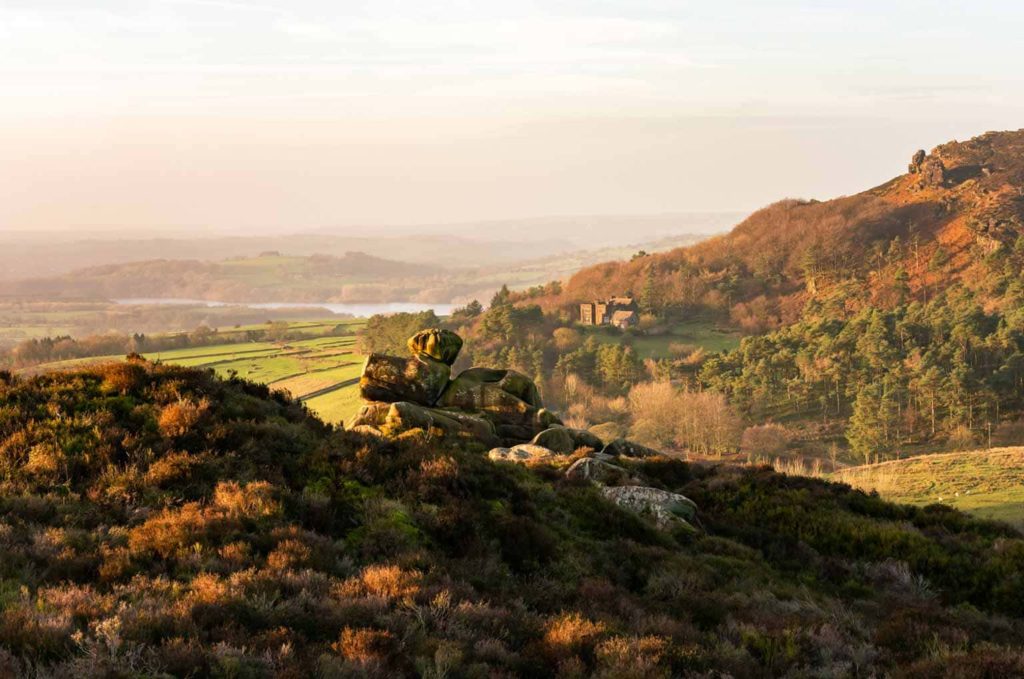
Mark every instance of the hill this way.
pixel 270 277
pixel 355 277
pixel 157 520
pixel 888 322
pixel 987 483
pixel 930 228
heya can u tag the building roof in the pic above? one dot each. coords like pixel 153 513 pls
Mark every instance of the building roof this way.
pixel 623 315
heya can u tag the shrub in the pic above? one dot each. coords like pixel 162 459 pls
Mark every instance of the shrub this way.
pixel 765 440
pixel 176 419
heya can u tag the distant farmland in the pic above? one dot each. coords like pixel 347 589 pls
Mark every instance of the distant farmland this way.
pixel 321 370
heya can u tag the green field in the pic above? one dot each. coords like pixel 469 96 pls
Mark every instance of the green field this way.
pixel 322 371
pixel 987 483
pixel 694 333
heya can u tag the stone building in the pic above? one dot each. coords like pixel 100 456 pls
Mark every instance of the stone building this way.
pixel 617 311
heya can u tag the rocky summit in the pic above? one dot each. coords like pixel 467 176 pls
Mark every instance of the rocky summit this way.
pixel 501 410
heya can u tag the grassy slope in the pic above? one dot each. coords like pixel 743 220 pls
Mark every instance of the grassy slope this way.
pixel 696 333
pixel 988 483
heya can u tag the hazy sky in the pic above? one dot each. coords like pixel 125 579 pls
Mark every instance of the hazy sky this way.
pixel 298 114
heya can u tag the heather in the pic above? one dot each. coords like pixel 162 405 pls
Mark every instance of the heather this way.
pixel 159 521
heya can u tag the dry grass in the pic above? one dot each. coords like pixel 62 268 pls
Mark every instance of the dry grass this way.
pixel 988 483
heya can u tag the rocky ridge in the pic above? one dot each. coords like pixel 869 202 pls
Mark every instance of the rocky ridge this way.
pixel 503 410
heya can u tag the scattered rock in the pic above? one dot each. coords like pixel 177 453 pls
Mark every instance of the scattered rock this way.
pixel 598 471
pixel 566 440
pixel 524 452
pixel 441 345
pixel 626 448
pixel 420 379
pixel 664 507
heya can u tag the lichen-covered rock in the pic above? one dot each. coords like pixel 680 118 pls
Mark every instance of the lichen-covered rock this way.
pixel 369 415
pixel 523 453
pixel 496 406
pixel 404 416
pixel 664 507
pixel 420 379
pixel 598 471
pixel 565 440
pixel 496 393
pixel 626 448
pixel 441 345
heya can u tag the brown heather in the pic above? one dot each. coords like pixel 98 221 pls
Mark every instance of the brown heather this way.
pixel 258 542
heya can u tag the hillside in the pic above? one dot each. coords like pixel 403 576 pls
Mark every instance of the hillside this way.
pixel 886 323
pixel 156 520
pixel 986 483
pixel 930 228
pixel 270 277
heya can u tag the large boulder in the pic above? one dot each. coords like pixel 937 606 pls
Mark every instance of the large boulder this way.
pixel 626 448
pixel 524 453
pixel 505 396
pixel 565 440
pixel 369 415
pixel 664 507
pixel 441 345
pixel 598 471
pixel 420 379
pixel 402 416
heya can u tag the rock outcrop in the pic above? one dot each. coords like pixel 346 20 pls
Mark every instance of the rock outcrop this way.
pixel 930 170
pixel 441 345
pixel 492 406
pixel 501 409
pixel 389 379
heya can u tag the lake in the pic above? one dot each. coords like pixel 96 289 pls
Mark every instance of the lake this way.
pixel 357 310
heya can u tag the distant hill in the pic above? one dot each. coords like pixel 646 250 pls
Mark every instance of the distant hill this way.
pixel 273 276
pixel 933 226
pixel 469 244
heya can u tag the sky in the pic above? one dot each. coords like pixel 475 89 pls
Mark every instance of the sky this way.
pixel 291 115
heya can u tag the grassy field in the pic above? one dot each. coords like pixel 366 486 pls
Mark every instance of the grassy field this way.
pixel 694 333
pixel 321 370
pixel 987 483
